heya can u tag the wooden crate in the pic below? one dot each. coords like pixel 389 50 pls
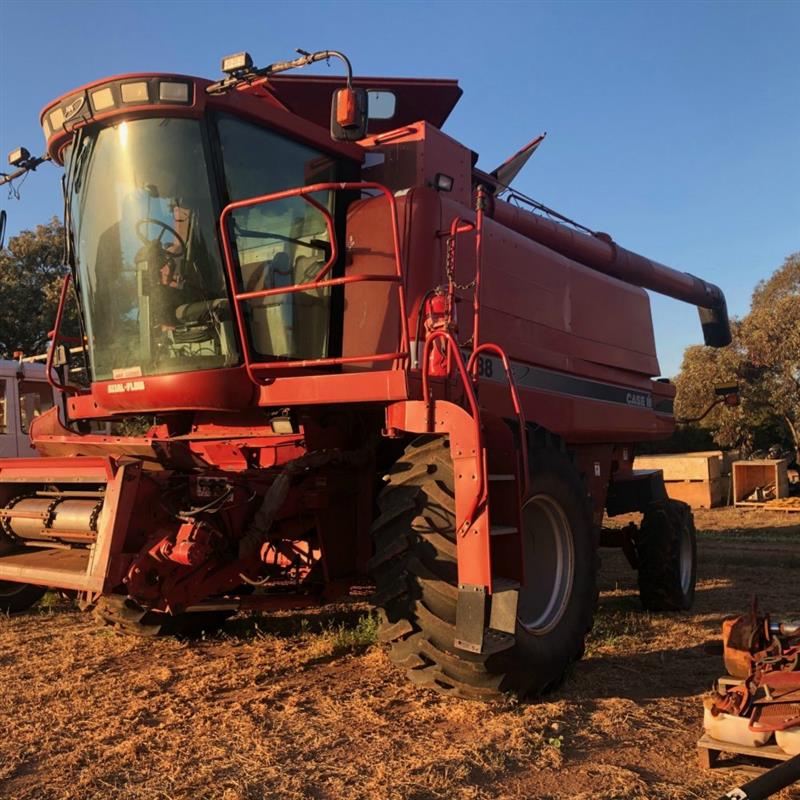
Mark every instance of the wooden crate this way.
pixel 700 494
pixel 749 475
pixel 684 466
pixel 726 457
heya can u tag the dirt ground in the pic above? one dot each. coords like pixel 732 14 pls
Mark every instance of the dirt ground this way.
pixel 305 707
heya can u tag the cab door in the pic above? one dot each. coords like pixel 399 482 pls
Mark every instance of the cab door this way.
pixel 8 428
pixel 35 397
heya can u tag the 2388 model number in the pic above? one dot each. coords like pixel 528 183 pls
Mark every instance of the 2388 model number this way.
pixel 485 367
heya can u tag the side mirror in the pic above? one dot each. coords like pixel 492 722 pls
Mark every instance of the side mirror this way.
pixel 349 114
pixel 2 229
pixel 726 394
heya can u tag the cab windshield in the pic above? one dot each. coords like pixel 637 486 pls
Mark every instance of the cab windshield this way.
pixel 149 268
pixel 150 273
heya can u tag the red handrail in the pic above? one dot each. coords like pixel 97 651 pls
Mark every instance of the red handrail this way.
pixel 324 362
pixel 512 386
pixel 455 355
pixel 238 297
pixel 304 287
pixel 476 294
pixel 331 236
pixel 61 387
pixel 457 226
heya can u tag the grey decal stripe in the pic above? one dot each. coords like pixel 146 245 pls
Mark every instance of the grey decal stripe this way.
pixel 665 406
pixel 529 377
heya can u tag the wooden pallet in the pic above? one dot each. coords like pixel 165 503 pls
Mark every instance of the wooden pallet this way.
pixel 769 506
pixel 708 751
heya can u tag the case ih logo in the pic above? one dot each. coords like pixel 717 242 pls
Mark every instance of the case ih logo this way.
pixel 74 107
pixel 639 400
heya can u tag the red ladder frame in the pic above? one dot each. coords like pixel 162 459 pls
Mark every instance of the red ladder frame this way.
pixel 399 358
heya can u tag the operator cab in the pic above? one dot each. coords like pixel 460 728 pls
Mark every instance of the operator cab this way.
pixel 144 202
pixel 152 161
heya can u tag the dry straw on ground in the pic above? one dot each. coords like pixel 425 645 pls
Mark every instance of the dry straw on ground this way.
pixel 305 706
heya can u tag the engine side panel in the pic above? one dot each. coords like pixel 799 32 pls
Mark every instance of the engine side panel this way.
pixel 581 343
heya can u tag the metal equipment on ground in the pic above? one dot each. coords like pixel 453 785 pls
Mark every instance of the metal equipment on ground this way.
pixel 755 709
pixel 350 361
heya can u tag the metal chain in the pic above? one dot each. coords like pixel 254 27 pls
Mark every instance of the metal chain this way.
pixel 450 266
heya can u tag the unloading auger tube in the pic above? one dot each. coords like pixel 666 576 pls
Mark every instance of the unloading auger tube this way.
pixel 601 253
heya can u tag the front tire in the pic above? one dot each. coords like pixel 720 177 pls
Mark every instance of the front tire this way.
pixel 416 574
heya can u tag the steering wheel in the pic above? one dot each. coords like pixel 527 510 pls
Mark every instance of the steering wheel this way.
pixel 164 229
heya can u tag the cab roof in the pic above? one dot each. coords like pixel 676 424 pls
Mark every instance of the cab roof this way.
pixel 416 99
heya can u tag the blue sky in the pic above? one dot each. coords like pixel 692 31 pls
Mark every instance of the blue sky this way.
pixel 673 126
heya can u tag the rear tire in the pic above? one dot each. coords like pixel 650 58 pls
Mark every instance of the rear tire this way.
pixel 16 597
pixel 667 552
pixel 416 575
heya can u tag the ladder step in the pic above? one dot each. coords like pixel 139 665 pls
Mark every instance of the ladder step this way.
pixel 496 641
pixel 502 530
pixel 500 476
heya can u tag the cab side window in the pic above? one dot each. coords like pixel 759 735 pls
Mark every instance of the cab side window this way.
pixel 281 243
pixel 35 398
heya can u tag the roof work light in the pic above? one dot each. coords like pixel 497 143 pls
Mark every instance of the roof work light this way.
pixel 238 62
pixel 19 157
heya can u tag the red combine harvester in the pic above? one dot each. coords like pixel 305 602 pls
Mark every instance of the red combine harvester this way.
pixel 356 364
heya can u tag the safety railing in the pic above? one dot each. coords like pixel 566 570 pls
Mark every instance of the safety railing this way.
pixel 468 374
pixel 472 365
pixel 470 377
pixel 454 356
pixel 399 357
pixel 461 226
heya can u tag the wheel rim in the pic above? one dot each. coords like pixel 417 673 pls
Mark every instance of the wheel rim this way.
pixel 549 562
pixel 686 558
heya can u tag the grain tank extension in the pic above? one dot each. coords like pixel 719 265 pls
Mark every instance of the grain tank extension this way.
pixel 346 366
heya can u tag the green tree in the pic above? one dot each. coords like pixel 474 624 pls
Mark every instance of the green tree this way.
pixel 763 358
pixel 31 276
pixel 705 367
pixel 771 332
